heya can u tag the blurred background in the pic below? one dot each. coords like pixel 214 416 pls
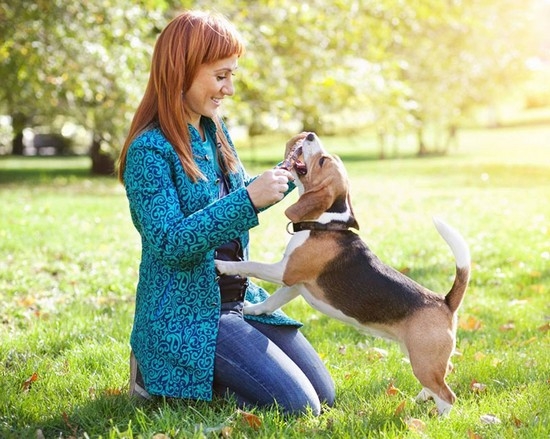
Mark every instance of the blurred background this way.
pixel 72 72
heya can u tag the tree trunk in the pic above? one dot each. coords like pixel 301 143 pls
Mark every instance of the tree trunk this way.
pixel 422 150
pixel 381 144
pixel 18 122
pixel 103 163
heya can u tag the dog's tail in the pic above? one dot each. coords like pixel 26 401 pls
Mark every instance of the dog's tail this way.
pixel 461 253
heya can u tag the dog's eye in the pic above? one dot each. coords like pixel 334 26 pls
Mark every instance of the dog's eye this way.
pixel 322 161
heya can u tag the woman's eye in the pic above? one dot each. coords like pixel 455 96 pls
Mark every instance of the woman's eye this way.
pixel 224 77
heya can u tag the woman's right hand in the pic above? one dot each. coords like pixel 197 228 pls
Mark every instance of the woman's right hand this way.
pixel 269 187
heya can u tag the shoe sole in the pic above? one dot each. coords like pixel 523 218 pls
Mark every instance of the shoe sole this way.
pixel 136 390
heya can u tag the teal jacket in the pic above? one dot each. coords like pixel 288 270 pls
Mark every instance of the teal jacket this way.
pixel 181 223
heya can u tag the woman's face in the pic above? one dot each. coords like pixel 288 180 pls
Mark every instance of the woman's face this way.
pixel 213 82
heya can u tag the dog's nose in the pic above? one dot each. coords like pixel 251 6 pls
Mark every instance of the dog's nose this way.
pixel 310 137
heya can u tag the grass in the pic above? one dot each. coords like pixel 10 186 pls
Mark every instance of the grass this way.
pixel 68 266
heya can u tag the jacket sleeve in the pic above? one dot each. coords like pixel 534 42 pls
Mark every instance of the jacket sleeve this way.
pixel 157 214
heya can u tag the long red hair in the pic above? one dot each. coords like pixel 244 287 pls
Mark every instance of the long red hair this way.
pixel 190 40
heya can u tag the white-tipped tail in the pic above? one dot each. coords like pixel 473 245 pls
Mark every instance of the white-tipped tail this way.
pixel 462 257
pixel 455 241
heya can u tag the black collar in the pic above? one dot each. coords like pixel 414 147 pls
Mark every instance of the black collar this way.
pixel 314 225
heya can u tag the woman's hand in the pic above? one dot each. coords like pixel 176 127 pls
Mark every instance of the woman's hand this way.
pixel 269 187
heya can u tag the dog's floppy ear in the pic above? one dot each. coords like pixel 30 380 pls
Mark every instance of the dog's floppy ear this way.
pixel 352 222
pixel 311 204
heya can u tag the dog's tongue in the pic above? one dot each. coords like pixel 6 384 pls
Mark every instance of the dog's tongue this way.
pixel 300 167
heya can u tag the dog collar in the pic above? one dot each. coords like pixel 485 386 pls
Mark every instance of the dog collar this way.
pixel 314 225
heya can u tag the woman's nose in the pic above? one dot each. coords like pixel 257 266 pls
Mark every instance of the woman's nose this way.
pixel 228 89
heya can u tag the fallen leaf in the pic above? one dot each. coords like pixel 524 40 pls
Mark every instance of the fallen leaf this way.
pixel 226 432
pixel 478 356
pixel 70 426
pixel 538 288
pixel 517 422
pixel 529 341
pixel 545 327
pixel 252 420
pixel 28 383
pixel 416 425
pixel 377 353
pixel 470 324
pixel 160 436
pixel 392 390
pixel 477 387
pixel 507 327
pixel 400 408
pixel 113 392
pixel 473 435
pixel 489 419
pixel 26 302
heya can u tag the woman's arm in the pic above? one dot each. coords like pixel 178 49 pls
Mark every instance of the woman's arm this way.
pixel 158 215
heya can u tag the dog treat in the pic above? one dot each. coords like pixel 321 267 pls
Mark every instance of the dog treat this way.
pixel 292 156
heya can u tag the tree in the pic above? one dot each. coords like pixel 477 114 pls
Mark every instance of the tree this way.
pixel 457 56
pixel 86 61
pixel 321 65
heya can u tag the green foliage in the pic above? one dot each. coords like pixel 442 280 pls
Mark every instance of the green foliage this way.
pixel 321 65
pixel 69 261
pixel 86 61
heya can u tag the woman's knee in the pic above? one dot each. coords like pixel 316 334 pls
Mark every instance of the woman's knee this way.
pixel 299 406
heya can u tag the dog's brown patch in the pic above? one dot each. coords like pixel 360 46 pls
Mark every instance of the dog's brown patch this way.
pixel 302 267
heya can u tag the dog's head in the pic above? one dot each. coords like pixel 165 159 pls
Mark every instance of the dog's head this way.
pixel 323 186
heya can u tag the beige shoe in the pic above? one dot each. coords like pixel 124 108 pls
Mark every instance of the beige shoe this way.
pixel 137 388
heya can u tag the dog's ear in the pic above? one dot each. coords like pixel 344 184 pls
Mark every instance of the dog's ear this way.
pixel 352 221
pixel 311 204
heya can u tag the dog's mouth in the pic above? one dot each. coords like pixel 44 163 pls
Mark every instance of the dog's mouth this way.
pixel 293 161
pixel 300 167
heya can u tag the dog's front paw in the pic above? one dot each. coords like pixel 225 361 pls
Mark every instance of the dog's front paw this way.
pixel 254 309
pixel 223 267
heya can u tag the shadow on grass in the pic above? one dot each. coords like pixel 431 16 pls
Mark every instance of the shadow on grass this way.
pixel 44 170
pixel 121 416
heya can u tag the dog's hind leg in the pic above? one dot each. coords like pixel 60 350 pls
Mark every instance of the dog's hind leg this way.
pixel 429 353
pixel 431 374
pixel 443 407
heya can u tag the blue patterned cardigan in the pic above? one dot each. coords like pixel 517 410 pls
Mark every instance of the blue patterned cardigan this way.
pixel 181 222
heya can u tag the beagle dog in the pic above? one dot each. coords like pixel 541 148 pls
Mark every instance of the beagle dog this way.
pixel 337 274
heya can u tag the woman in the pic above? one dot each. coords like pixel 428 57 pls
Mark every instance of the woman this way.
pixel 192 202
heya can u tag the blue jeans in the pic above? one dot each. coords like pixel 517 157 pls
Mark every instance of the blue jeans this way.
pixel 262 365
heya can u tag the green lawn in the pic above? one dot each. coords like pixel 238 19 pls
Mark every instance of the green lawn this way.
pixel 68 265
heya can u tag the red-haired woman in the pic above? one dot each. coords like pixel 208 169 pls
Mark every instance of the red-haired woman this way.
pixel 191 201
